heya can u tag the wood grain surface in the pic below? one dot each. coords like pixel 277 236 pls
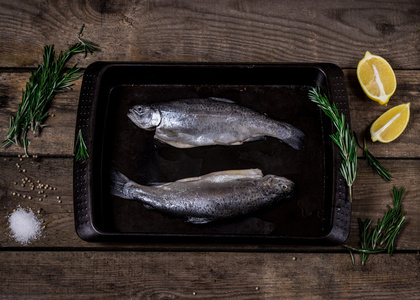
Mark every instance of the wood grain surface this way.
pixel 59 265
pixel 218 31
pixel 206 275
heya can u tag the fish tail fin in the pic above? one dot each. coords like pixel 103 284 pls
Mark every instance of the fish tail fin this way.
pixel 296 139
pixel 118 182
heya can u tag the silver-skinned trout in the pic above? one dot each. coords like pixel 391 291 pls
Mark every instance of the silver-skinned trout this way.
pixel 215 196
pixel 211 121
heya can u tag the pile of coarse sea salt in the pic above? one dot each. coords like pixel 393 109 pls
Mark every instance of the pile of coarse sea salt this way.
pixel 24 226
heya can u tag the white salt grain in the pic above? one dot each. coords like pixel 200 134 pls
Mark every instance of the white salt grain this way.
pixel 24 226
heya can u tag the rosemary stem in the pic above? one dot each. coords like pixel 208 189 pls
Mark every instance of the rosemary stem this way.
pixel 44 83
pixel 342 138
pixel 382 237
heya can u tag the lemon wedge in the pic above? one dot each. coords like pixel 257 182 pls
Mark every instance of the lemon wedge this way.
pixel 376 77
pixel 390 124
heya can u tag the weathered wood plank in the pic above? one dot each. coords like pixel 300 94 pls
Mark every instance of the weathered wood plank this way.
pixel 221 31
pixel 371 196
pixel 180 275
pixel 57 139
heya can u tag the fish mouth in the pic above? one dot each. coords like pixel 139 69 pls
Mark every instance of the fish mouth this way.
pixel 291 186
pixel 290 194
pixel 133 115
pixel 286 191
pixel 285 187
pixel 141 119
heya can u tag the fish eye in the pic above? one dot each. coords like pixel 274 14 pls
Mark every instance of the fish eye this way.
pixel 283 186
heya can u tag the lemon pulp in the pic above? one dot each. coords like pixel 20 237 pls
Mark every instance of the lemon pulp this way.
pixel 391 124
pixel 376 77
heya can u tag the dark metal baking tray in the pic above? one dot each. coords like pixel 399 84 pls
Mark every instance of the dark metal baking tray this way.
pixel 318 213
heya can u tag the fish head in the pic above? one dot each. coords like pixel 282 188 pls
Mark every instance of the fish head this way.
pixel 282 185
pixel 145 117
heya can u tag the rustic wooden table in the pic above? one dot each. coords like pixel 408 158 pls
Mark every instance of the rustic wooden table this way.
pixel 61 265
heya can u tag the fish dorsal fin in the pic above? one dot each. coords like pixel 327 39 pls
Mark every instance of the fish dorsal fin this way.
pixel 231 175
pixel 165 184
pixel 245 172
pixel 189 179
pixel 220 176
pixel 222 100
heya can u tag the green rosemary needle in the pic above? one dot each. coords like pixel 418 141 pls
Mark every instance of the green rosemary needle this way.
pixel 49 79
pixel 382 237
pixel 342 138
pixel 80 149
pixel 375 164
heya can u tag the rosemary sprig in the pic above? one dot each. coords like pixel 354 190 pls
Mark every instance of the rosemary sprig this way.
pixel 374 163
pixel 85 45
pixel 48 80
pixel 342 138
pixel 80 149
pixel 382 237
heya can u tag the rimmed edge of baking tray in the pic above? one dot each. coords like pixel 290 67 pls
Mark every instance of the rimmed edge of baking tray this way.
pixel 83 181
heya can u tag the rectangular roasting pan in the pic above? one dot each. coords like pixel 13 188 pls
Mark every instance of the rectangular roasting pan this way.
pixel 318 213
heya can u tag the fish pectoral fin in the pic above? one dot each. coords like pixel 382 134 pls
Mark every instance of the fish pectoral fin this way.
pixel 166 133
pixel 147 206
pixel 167 140
pixel 223 143
pixel 157 183
pixel 198 220
pixel 253 139
pixel 257 138
pixel 222 100
pixel 237 143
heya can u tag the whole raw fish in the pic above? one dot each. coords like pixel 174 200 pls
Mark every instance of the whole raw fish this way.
pixel 210 121
pixel 210 197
